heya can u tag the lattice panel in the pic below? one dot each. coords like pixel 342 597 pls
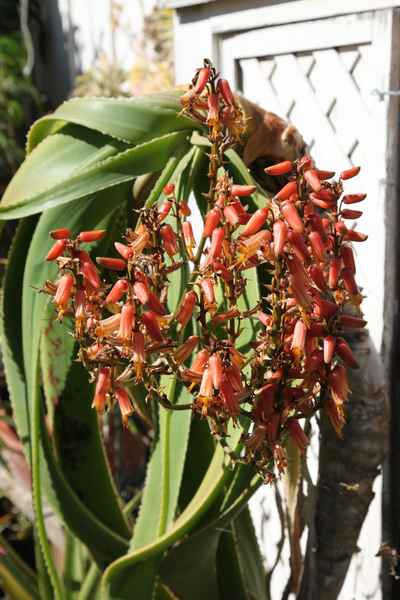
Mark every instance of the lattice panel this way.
pixel 325 93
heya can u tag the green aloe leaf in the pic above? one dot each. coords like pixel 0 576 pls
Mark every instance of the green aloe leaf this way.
pixel 133 120
pixel 17 579
pixel 11 329
pixel 113 171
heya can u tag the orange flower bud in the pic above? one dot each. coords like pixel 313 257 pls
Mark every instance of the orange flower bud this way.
pixel 168 189
pixel 256 221
pixel 313 180
pixel 60 234
pixel 186 308
pixel 141 291
pixel 217 239
pixel 184 209
pixel 108 326
pixel 186 349
pixel 213 110
pixel 124 403
pixel 211 222
pixel 207 288
pixel 154 304
pixel 127 321
pixel 123 250
pixel 225 316
pixel 318 278
pixel 334 272
pixel 344 351
pixel 224 89
pixel 114 264
pixel 56 250
pixel 287 190
pixel 216 369
pixel 348 258
pixel 232 213
pixel 324 308
pixel 353 198
pixel 200 361
pixel 202 79
pixel 91 236
pixel 329 348
pixel 64 291
pixel 349 281
pixel 350 322
pixel 188 237
pixel 280 168
pixel 317 245
pixel 289 211
pixel 229 397
pixel 164 209
pixel 338 385
pixel 149 320
pixel 350 214
pixel 349 173
pixel 322 175
pixel 206 384
pixel 355 236
pixel 138 353
pixel 298 245
pixel 243 190
pixel 299 339
pixel 117 291
pixel 169 239
pixel 280 231
pixel 103 386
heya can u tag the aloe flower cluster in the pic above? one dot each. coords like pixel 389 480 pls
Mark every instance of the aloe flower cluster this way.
pixel 300 241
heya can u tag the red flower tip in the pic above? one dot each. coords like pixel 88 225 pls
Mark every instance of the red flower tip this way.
pixel 349 173
pixel 256 221
pixel 224 89
pixel 211 222
pixel 243 190
pixel 287 190
pixel 91 236
pixel 117 291
pixel 61 233
pixel 114 264
pixel 169 189
pixel 56 250
pixel 280 168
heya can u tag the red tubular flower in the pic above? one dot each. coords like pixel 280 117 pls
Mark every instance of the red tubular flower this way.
pixel 350 214
pixel 280 232
pixel 355 236
pixel 256 221
pixel 314 361
pixel 56 250
pixel 299 339
pixel 114 264
pixel 325 204
pixel 164 210
pixel 186 308
pixel 229 397
pixel 243 190
pixel 127 322
pixel 108 326
pixel 299 246
pixel 154 304
pixel 349 173
pixel 207 288
pixel 206 385
pixel 334 272
pixel 186 349
pixel 317 225
pixel 141 291
pixel 188 237
pixel 169 239
pixel 264 405
pixel 233 313
pixel 353 198
pixel 64 291
pixel 202 79
pixel 123 250
pixel 213 110
pixel 337 381
pixel 292 217
pixel 211 222
pixel 224 89
pixel 233 213
pixel 344 351
pixel 280 168
pixel 184 210
pixel 217 239
pixel 138 353
pixel 316 329
pixel 348 258
pixel 324 308
pixel 351 322
pixel 60 234
pixel 323 175
pixel 216 369
pixel 298 282
pixel 297 434
pixel 317 245
pixel 254 243
pixel 287 190
pixel 349 281
pixel 329 348
pixel 311 176
pixel 103 386
pixel 117 291
pixel 318 277
pixel 200 361
pixel 91 236
pixel 124 402
pixel 222 271
pixel 149 320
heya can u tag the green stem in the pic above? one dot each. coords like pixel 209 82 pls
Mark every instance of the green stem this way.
pixel 133 503
pixel 90 582
pixel 164 178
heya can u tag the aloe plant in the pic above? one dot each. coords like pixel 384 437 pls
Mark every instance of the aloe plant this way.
pixel 228 331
